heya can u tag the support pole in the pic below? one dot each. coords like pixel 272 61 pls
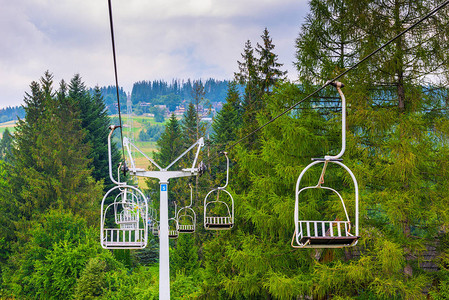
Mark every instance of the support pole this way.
pixel 164 262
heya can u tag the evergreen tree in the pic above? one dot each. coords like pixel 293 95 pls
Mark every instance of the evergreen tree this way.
pixel 228 120
pixel 170 143
pixel 96 123
pixel 184 258
pixel 328 39
pixel 393 115
pixel 199 102
pixel 6 146
pixel 252 98
pixel 50 167
pixel 267 64
pixel 190 125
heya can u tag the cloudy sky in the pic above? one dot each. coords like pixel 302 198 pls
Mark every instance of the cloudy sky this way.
pixel 155 39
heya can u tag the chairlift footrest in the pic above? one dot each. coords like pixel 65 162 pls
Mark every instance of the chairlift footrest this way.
pixel 323 159
pixel 218 226
pixel 186 230
pixel 329 240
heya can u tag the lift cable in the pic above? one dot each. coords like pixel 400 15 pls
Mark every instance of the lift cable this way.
pixel 435 10
pixel 116 77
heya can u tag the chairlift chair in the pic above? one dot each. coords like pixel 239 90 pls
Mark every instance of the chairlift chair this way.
pixel 155 229
pixel 129 229
pixel 186 217
pixel 124 223
pixel 173 232
pixel 327 233
pixel 224 221
pixel 152 218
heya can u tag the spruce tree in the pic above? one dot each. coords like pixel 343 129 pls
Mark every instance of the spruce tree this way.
pixel 252 99
pixel 228 120
pixel 170 143
pixel 394 115
pixel 267 64
pixel 6 146
pixel 96 122
pixel 190 126
pixel 50 167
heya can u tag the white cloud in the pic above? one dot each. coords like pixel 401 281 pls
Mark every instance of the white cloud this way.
pixel 159 39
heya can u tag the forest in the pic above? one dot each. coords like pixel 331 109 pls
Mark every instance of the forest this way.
pixel 55 172
pixel 11 113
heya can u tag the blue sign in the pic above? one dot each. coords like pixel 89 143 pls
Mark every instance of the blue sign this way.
pixel 163 187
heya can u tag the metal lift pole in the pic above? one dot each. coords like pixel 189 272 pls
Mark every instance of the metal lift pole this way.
pixel 164 254
pixel 164 176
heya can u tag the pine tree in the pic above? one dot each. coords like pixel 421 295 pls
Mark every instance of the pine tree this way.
pixel 6 146
pixel 327 43
pixel 96 122
pixel 50 168
pixel 228 120
pixel 170 143
pixel 252 99
pixel 184 258
pixel 268 66
pixel 393 115
pixel 190 126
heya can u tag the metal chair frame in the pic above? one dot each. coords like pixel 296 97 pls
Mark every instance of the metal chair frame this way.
pixel 187 214
pixel 130 209
pixel 327 234
pixel 222 222
pixel 131 234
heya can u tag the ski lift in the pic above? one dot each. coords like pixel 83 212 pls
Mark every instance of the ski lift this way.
pixel 186 219
pixel 329 233
pixel 219 213
pixel 129 230
pixel 124 222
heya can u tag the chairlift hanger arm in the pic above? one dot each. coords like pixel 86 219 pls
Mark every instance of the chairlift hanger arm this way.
pixel 112 128
pixel 340 85
pixel 191 196
pixel 227 171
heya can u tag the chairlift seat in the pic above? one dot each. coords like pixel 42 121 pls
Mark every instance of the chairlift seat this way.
pixel 128 217
pixel 186 220
pixel 325 234
pixel 218 223
pixel 123 238
pixel 186 228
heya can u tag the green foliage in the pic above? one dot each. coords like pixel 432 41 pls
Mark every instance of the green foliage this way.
pixel 228 119
pixel 50 168
pixel 6 146
pixel 96 123
pixel 184 257
pixel 170 143
pixel 92 280
pixel 152 132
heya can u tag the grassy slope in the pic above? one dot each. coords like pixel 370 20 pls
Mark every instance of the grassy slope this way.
pixel 10 125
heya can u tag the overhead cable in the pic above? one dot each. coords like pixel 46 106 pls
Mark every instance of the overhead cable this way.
pixel 116 76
